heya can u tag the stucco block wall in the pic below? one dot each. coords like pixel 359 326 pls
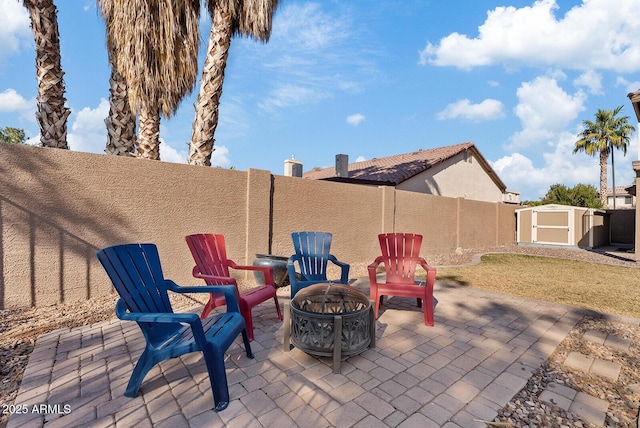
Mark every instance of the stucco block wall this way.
pixel 478 224
pixel 58 208
pixel 434 217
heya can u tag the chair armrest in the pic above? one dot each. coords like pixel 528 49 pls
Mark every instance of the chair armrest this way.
pixel 344 277
pixel 291 270
pixel 161 317
pixel 376 263
pixel 224 279
pixel 431 272
pixel 230 292
pixel 373 269
pixel 266 270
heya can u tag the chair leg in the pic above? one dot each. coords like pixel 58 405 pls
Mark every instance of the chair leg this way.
pixel 214 359
pixel 248 319
pixel 428 311
pixel 275 298
pixel 145 363
pixel 208 308
pixel 247 344
pixel 245 311
pixel 378 303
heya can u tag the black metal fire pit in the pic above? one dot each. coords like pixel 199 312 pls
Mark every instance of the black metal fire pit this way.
pixel 329 320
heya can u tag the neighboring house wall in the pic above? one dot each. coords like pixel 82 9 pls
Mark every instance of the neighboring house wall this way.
pixel 460 176
pixel 58 207
pixel 622 201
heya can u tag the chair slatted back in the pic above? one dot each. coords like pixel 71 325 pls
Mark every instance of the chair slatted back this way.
pixel 136 274
pixel 400 252
pixel 210 254
pixel 312 251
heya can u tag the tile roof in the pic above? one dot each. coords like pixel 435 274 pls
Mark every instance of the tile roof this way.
pixel 393 170
pixel 622 190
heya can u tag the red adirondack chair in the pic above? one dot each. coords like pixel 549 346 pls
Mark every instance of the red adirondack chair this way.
pixel 401 256
pixel 210 254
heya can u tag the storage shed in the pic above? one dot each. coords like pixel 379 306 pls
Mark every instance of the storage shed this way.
pixel 562 225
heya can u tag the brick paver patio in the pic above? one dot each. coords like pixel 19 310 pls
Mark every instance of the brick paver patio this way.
pixel 480 353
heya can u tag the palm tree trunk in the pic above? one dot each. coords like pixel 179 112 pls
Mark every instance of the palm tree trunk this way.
pixel 613 179
pixel 207 113
pixel 51 114
pixel 121 123
pixel 604 157
pixel 148 145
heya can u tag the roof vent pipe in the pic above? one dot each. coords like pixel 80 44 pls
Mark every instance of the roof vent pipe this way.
pixel 342 166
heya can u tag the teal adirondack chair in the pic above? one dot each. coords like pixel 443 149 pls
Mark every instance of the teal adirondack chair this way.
pixel 136 274
pixel 312 257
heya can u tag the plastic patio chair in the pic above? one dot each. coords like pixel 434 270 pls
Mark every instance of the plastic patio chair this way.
pixel 401 257
pixel 312 257
pixel 136 274
pixel 210 254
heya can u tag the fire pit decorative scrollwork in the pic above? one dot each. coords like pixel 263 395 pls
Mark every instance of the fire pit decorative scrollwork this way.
pixel 329 320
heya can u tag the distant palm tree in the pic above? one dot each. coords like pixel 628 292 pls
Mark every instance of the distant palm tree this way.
pixel 229 17
pixel 608 132
pixel 52 113
pixel 121 122
pixel 153 44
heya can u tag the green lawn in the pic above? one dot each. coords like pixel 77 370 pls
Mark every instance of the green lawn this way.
pixel 604 288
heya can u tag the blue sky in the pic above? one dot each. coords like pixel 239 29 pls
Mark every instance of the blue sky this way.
pixel 372 79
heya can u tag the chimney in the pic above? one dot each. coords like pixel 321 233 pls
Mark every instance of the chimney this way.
pixel 292 167
pixel 342 166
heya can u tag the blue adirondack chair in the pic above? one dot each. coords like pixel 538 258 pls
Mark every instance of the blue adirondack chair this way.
pixel 312 257
pixel 135 271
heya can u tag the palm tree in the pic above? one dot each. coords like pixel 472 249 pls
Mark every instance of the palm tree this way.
pixel 229 18
pixel 153 44
pixel 52 113
pixel 608 132
pixel 121 122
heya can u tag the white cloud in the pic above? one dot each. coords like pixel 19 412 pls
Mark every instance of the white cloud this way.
pixel 88 131
pixel 590 80
pixel 488 109
pixel 592 35
pixel 308 27
pixel 11 101
pixel 544 110
pixel 34 141
pixel 169 154
pixel 355 119
pixel 14 27
pixel 560 166
pixel 629 86
pixel 220 157
pixel 292 95
pixel 361 159
pixel 311 55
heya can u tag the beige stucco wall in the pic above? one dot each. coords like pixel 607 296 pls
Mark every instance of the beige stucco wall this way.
pixel 58 207
pixel 449 178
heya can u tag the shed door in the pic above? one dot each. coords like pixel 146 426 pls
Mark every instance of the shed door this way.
pixel 552 227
